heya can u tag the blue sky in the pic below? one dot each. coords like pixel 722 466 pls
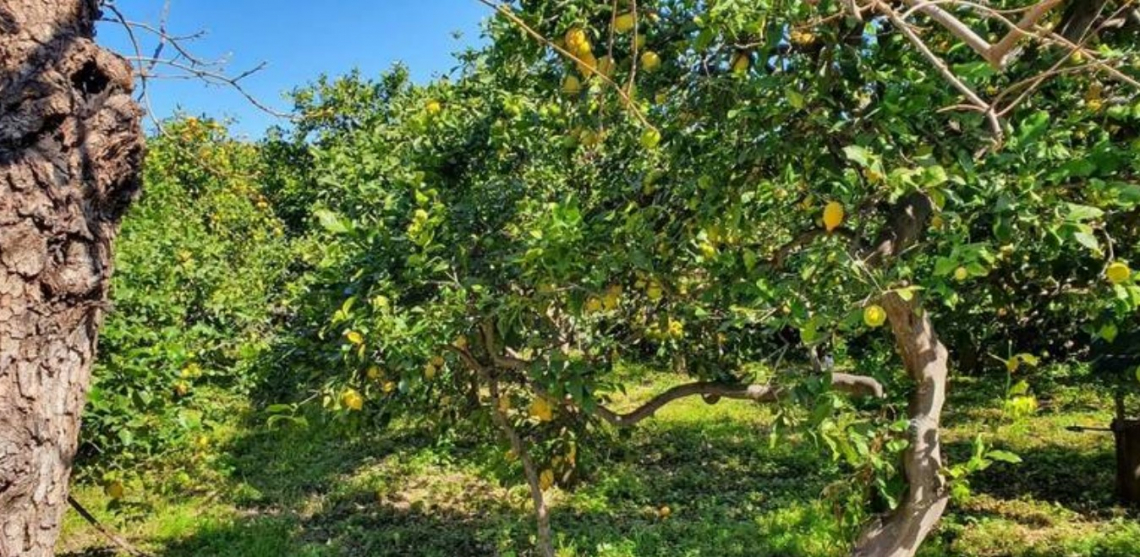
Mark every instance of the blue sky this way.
pixel 299 40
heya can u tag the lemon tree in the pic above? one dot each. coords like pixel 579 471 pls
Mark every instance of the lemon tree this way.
pixel 205 262
pixel 739 192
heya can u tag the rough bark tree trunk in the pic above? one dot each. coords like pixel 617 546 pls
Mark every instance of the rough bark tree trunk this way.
pixel 900 533
pixel 71 147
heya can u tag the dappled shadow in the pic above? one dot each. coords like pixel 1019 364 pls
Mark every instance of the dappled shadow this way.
pixel 725 488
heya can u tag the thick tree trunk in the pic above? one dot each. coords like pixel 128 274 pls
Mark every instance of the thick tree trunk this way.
pixel 1127 436
pixel 901 532
pixel 71 147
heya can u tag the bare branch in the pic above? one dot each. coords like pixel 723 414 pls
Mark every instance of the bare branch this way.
pixel 998 53
pixel 186 64
pixel 951 23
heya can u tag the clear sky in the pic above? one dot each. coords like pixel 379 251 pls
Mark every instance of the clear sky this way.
pixel 299 40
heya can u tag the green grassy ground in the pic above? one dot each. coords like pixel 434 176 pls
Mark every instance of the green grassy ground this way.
pixel 315 492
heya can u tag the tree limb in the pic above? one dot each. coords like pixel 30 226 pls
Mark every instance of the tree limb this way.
pixel 856 385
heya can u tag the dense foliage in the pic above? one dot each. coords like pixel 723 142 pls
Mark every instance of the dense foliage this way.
pixel 726 189
pixel 202 264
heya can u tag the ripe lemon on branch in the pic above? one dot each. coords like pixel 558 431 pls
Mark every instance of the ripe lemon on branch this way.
pixel 624 23
pixel 541 410
pixel 833 215
pixel 650 61
pixel 874 316
pixel 352 400
pixel 1118 272
pixel 546 479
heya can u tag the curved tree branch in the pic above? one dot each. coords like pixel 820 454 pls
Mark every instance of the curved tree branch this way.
pixel 856 385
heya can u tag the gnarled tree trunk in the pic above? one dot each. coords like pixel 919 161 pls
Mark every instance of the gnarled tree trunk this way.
pixel 901 532
pixel 71 147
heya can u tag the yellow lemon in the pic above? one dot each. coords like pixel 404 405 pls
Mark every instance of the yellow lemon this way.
pixel 576 41
pixel 650 61
pixel 874 316
pixel 541 410
pixel 354 337
pixel 664 512
pixel 587 63
pixel 650 139
pixel 961 274
pixel 114 490
pixel 429 371
pixel 833 215
pixel 433 107
pixel 352 400
pixel 571 86
pixel 624 23
pixel 389 386
pixel 374 373
pixel 546 479
pixel 1118 272
pixel 741 63
pixel 593 305
pixel 801 37
pixel 654 292
pixel 612 298
pixel 437 361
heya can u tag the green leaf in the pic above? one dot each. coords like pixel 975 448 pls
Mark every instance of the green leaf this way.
pixel 858 154
pixel 330 221
pixel 1004 456
pixel 1081 213
pixel 1087 240
pixel 1032 128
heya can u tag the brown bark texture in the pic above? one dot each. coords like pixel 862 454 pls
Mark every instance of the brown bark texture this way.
pixel 71 148
pixel 900 533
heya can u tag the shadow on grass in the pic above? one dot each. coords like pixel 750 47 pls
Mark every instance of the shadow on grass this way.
pixel 301 493
pixel 91 552
pixel 1078 479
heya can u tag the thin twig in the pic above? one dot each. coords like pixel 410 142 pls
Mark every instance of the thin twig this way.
pixel 115 539
pixel 940 65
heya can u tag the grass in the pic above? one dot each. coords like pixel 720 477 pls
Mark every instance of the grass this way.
pixel 317 492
